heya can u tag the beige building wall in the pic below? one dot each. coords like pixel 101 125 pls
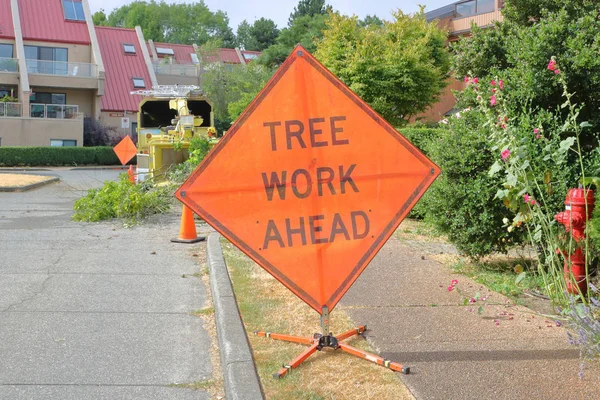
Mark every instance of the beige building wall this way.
pixel 39 132
pixel 112 119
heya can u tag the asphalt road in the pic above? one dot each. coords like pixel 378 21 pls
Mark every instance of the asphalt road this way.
pixel 95 311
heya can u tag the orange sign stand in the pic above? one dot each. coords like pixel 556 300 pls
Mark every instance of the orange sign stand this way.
pixel 310 182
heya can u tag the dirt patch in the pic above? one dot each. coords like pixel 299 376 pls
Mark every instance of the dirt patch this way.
pixel 17 180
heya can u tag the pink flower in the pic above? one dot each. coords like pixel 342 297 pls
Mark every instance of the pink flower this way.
pixel 556 71
pixel 526 198
pixel 466 79
pixel 536 130
pixel 450 288
pixel 494 90
pixel 454 282
pixel 533 202
pixel 552 65
pixel 472 300
pixel 475 80
pixel 493 83
pixel 505 154
pixel 493 100
pixel 503 126
pixel 538 136
pixel 501 84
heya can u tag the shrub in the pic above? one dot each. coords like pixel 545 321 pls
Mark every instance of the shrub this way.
pixel 461 202
pixel 57 156
pixel 97 134
pixel 122 199
pixel 421 137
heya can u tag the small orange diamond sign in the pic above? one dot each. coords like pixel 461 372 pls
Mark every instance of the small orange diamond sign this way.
pixel 309 182
pixel 125 150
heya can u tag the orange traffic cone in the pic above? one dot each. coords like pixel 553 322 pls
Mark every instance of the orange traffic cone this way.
pixel 187 230
pixel 130 174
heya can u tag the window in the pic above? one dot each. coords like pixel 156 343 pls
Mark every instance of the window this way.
pixel 6 50
pixel 249 56
pixel 194 58
pixel 139 83
pixel 129 48
pixel 163 51
pixel 48 98
pixel 73 10
pixel 62 143
pixel 466 9
pixel 474 7
pixel 485 6
pixel 51 60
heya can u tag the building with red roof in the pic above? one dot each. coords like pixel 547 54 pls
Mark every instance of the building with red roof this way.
pixel 57 68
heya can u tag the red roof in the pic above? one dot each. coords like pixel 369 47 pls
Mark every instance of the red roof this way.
pixel 229 56
pixel 44 20
pixel 182 51
pixel 121 68
pixel 6 25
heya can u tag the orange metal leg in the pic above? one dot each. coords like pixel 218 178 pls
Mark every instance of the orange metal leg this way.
pixel 285 338
pixel 374 359
pixel 296 362
pixel 351 332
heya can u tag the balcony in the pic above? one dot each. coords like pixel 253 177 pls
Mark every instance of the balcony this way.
pixel 176 69
pixel 10 109
pixel 62 68
pixel 56 111
pixel 10 65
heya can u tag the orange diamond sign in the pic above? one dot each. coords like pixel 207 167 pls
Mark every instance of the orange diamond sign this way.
pixel 309 182
pixel 125 150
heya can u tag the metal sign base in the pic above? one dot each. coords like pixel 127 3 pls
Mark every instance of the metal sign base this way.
pixel 319 342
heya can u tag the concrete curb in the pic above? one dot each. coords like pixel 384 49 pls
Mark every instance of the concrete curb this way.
pixel 239 372
pixel 24 188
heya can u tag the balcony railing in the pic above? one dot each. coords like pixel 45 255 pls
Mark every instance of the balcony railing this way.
pixel 176 69
pixel 10 109
pixel 63 68
pixel 9 65
pixel 58 111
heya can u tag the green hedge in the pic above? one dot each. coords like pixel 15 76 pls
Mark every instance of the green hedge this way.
pixel 421 137
pixel 57 156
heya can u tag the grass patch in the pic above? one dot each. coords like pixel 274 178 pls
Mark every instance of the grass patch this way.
pixel 199 385
pixel 418 230
pixel 265 304
pixel 510 277
pixel 204 311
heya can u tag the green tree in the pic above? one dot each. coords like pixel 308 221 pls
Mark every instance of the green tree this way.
pixel 174 23
pixel 230 88
pixel 308 7
pixel 305 30
pixel 519 49
pixel 258 36
pixel 264 32
pixel 99 18
pixel 399 68
pixel 371 20
pixel 243 35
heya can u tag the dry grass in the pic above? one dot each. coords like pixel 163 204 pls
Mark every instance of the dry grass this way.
pixel 213 386
pixel 16 180
pixel 267 305
pixel 417 230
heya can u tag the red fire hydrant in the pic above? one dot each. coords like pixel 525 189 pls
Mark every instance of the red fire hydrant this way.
pixel 574 218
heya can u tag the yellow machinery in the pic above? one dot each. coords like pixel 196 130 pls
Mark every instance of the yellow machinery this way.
pixel 168 118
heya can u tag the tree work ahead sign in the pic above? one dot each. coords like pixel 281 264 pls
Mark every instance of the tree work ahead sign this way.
pixel 309 182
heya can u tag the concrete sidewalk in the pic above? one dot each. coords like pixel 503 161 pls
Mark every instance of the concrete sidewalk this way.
pixel 507 352
pixel 96 311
